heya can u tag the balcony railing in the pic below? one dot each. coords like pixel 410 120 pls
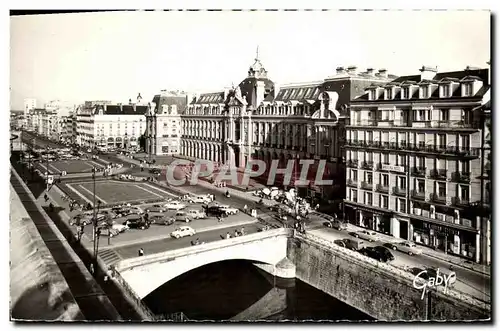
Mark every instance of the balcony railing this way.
pixel 418 195
pixel 424 148
pixel 461 177
pixel 451 124
pixel 418 171
pixel 437 198
pixel 399 191
pixel 352 163
pixel 438 174
pixel 460 202
pixel 367 165
pixel 382 189
pixel 366 185
pixel 352 183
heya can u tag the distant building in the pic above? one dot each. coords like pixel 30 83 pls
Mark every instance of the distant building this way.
pixel 107 124
pixel 415 167
pixel 163 129
pixel 29 105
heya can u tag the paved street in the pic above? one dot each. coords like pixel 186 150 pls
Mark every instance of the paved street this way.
pixel 157 246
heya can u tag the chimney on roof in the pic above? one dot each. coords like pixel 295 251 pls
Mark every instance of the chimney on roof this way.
pixel 382 73
pixel 370 72
pixel 468 68
pixel 340 70
pixel 428 72
pixel 352 70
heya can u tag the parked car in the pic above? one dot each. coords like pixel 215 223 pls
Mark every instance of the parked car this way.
pixel 136 210
pixel 340 242
pixel 156 209
pixel 354 244
pixel 155 171
pixel 214 211
pixel 196 214
pixel 379 253
pixel 174 205
pixel 119 227
pixel 198 199
pixel 182 216
pixel 229 210
pixel 137 222
pixel 336 224
pixel 365 234
pixel 183 231
pixel 407 247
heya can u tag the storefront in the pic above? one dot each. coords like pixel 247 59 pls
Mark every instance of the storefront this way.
pixel 445 238
pixel 371 218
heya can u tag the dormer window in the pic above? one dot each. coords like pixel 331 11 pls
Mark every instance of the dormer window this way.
pixel 445 91
pixel 405 93
pixel 388 93
pixel 424 91
pixel 467 89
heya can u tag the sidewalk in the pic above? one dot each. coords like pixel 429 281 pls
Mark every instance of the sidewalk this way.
pixel 464 263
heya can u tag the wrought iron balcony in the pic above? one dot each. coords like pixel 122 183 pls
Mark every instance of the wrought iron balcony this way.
pixel 382 189
pixel 437 198
pixel 418 195
pixel 367 186
pixel 460 202
pixel 461 177
pixel 438 174
pixel 352 183
pixel 418 171
pixel 399 191
pixel 352 163
pixel 368 165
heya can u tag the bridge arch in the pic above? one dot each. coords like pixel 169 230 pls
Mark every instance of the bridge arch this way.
pixel 145 274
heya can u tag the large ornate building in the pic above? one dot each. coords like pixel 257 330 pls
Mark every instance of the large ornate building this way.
pixel 415 167
pixel 260 120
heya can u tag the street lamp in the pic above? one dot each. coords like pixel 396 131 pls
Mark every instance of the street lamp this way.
pixel 96 232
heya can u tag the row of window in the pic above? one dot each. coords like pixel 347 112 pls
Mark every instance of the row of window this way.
pixel 417 138
pixel 417 115
pixel 463 194
pixel 425 91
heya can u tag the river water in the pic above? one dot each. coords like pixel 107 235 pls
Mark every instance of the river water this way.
pixel 237 290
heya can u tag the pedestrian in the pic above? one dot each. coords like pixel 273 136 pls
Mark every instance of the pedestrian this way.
pixel 46 197
pixel 219 219
pixel 236 234
pixel 91 268
pixel 141 252
pixel 228 235
pixel 245 207
pixel 242 231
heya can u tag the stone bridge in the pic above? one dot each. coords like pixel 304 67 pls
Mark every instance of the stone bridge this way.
pixel 267 249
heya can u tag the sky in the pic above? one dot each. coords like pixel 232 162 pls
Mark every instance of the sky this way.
pixel 115 55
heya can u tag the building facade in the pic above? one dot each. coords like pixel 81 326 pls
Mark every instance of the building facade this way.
pixel 29 105
pixel 111 125
pixel 413 155
pixel 164 124
pixel 260 120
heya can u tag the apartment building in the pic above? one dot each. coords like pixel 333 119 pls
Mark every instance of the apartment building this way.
pixel 259 119
pixel 29 105
pixel 414 155
pixel 111 125
pixel 164 128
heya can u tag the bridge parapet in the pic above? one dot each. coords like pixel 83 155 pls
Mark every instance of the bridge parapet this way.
pixel 389 270
pixel 168 256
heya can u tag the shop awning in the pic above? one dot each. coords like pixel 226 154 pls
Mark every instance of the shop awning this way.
pixel 373 209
